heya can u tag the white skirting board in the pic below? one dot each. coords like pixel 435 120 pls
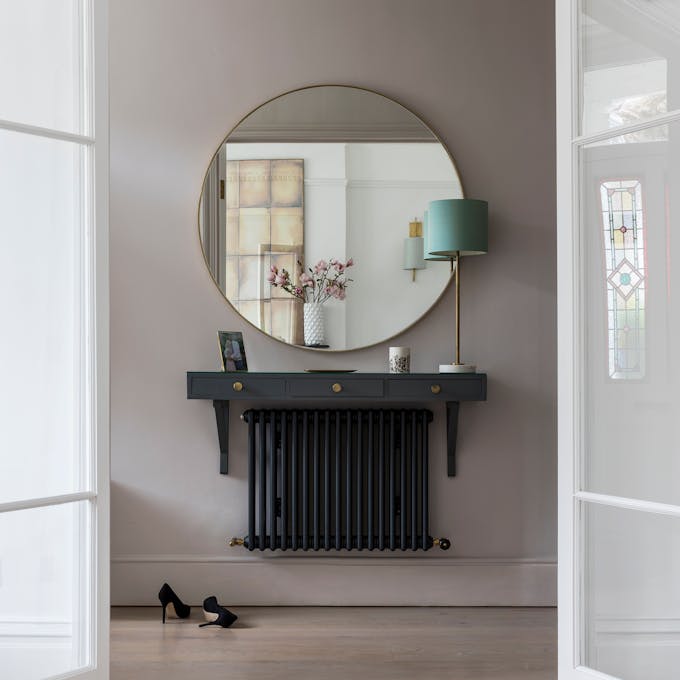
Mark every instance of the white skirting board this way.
pixel 339 581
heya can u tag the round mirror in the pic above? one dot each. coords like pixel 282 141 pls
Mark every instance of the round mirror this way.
pixel 313 217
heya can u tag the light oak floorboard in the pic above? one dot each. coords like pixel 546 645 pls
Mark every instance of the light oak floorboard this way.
pixel 325 643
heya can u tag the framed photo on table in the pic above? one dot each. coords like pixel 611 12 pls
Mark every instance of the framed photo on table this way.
pixel 232 351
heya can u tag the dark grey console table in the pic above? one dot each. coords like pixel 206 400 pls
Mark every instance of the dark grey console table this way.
pixel 451 388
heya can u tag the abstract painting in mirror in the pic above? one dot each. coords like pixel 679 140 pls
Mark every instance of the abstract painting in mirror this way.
pixel 322 175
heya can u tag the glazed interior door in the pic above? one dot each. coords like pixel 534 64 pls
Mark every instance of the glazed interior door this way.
pixel 53 358
pixel 618 70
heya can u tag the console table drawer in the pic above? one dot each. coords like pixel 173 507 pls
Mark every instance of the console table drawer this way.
pixel 435 389
pixel 236 386
pixel 335 387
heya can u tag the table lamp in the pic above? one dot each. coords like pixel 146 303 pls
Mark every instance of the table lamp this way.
pixel 426 237
pixel 457 227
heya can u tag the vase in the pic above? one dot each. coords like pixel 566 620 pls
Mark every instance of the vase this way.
pixel 314 325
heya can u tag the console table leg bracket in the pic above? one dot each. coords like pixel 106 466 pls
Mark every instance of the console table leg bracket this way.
pixel 451 436
pixel 222 418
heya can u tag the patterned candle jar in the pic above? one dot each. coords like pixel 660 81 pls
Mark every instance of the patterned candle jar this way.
pixel 400 359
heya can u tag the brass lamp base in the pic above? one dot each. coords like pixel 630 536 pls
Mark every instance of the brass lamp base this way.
pixel 457 368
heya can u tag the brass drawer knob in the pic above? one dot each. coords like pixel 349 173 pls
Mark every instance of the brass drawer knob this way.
pixel 336 387
pixel 435 389
pixel 238 386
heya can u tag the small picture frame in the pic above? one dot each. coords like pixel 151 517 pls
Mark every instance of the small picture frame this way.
pixel 232 351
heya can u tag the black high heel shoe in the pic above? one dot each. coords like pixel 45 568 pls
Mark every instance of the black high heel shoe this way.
pixel 168 596
pixel 215 614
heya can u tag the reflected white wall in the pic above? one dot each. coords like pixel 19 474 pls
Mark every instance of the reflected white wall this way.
pixel 388 186
pixel 359 199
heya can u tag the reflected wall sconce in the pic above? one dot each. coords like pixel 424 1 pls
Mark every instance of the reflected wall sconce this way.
pixel 414 248
pixel 457 227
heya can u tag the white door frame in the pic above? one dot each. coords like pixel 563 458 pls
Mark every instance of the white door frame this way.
pixel 566 176
pixel 95 299
pixel 571 345
pixel 100 297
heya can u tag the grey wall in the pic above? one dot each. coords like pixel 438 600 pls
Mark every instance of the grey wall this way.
pixel 182 73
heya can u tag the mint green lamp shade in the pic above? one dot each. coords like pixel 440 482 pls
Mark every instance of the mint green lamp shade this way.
pixel 456 226
pixel 426 237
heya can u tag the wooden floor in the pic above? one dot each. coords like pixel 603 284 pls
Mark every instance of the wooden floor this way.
pixel 324 643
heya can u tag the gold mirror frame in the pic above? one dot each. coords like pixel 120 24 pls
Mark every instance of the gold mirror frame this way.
pixel 198 217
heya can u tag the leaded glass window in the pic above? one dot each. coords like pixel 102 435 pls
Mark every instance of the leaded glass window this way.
pixel 624 249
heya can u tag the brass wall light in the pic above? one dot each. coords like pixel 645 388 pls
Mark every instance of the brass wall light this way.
pixel 414 248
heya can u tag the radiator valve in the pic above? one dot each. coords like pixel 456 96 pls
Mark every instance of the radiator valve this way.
pixel 443 543
pixel 235 541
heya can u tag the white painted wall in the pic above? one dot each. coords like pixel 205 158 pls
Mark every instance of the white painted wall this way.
pixel 482 74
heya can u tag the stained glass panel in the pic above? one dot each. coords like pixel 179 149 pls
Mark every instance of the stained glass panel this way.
pixel 624 250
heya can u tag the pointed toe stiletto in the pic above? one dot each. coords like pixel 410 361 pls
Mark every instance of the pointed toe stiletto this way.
pixel 167 596
pixel 215 614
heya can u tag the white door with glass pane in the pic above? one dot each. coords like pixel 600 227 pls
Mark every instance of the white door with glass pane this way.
pixel 53 345
pixel 618 111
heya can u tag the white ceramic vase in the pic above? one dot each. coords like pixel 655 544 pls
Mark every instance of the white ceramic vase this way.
pixel 314 324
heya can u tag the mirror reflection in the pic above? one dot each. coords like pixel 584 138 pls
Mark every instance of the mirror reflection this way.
pixel 311 217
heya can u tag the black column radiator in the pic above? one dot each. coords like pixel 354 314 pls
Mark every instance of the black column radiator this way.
pixel 333 479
